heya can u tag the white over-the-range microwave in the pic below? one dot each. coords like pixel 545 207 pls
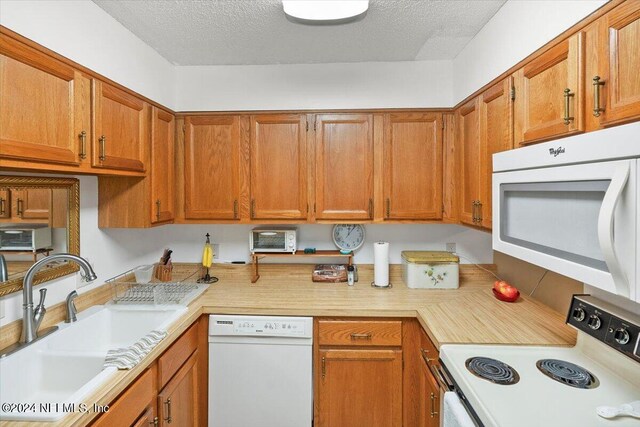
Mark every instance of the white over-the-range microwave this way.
pixel 572 206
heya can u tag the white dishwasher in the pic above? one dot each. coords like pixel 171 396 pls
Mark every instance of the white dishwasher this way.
pixel 260 371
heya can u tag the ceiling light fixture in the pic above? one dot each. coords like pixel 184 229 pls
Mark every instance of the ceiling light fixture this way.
pixel 325 12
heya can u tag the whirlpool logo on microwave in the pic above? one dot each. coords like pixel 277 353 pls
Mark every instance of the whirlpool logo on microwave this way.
pixel 555 152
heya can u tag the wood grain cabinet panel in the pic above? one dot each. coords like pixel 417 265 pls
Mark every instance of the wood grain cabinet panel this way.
pixel 278 183
pixel 612 82
pixel 413 166
pixel 549 93
pixel 5 203
pixel 429 388
pixel 31 205
pixel 122 129
pixel 45 107
pixel 496 134
pixel 178 403
pixel 212 167
pixel 359 388
pixel 360 332
pixel 162 166
pixel 344 167
pixel 468 137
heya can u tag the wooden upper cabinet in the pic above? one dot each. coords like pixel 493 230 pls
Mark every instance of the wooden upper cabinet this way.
pixel 5 203
pixel 613 84
pixel 549 94
pixel 450 169
pixel 468 138
pixel 278 166
pixel 45 107
pixel 344 167
pixel 121 129
pixel 162 166
pixel 33 204
pixel 413 166
pixel 358 387
pixel 496 134
pixel 212 167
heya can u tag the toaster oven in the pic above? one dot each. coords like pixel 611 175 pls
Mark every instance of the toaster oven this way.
pixel 273 239
pixel 25 237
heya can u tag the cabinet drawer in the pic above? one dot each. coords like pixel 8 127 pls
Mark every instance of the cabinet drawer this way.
pixel 172 359
pixel 132 403
pixel 360 332
pixel 428 351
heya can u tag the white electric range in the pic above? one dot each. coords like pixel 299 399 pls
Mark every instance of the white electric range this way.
pixel 527 386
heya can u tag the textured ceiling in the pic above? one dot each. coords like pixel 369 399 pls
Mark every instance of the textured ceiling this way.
pixel 222 32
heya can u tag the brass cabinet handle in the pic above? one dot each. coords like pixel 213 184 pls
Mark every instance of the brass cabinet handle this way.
pixel 567 101
pixel 3 208
pixel 474 211
pixel 20 207
pixel 596 96
pixel 253 208
pixel 103 149
pixel 388 207
pixel 324 367
pixel 366 336
pixel 433 405
pixel 154 422
pixel 479 205
pixel 158 209
pixel 371 208
pixel 235 209
pixel 168 403
pixel 425 356
pixel 83 145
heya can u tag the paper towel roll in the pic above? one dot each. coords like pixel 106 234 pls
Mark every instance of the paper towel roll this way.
pixel 381 264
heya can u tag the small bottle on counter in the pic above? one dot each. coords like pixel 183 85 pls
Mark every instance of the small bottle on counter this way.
pixel 351 275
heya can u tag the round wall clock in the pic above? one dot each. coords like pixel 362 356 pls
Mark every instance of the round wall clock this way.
pixel 348 237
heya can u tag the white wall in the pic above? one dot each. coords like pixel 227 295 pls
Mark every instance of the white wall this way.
pixel 410 84
pixel 519 28
pixel 84 33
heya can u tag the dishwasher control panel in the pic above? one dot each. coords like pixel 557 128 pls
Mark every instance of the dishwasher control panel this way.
pixel 220 325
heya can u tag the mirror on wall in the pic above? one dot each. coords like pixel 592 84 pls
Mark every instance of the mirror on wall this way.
pixel 38 217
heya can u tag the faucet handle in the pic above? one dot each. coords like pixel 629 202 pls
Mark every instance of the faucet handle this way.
pixel 43 295
pixel 71 307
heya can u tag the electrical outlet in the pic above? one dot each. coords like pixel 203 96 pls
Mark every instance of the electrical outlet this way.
pixel 216 251
pixel 451 247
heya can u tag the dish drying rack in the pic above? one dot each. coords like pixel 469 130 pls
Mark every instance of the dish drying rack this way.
pixel 126 290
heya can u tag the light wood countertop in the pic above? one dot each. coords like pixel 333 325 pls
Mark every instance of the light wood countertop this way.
pixel 466 315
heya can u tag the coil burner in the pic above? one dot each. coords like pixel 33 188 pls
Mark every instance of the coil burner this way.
pixel 492 370
pixel 567 373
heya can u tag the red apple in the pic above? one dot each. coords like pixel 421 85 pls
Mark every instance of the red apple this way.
pixel 509 292
pixel 500 285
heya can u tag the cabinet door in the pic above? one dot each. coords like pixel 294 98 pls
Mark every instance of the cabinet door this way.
pixel 413 166
pixel 178 400
pixel 162 166
pixel 468 131
pixel 549 94
pixel 617 44
pixel 5 203
pixel 450 171
pixel 121 129
pixel 212 167
pixel 278 166
pixel 31 204
pixel 496 135
pixel 429 398
pixel 147 418
pixel 344 166
pixel 360 388
pixel 45 106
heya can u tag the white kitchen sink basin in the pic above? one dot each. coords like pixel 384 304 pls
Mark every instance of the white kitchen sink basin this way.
pixel 50 378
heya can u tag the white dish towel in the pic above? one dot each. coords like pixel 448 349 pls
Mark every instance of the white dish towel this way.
pixel 455 414
pixel 128 357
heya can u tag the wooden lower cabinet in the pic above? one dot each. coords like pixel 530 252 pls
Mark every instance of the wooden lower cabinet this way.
pixel 178 400
pixel 148 418
pixel 360 387
pixel 137 403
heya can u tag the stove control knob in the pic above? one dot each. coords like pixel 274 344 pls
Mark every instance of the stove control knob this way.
pixel 594 322
pixel 579 314
pixel 621 336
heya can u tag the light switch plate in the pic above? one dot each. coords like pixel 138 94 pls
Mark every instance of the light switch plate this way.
pixel 216 251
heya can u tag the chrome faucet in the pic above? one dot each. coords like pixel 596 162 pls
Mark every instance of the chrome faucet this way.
pixel 32 318
pixel 4 271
